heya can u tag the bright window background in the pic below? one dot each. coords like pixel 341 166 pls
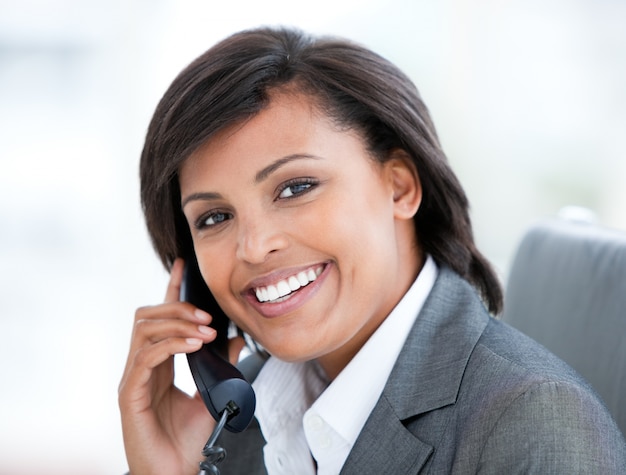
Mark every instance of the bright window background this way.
pixel 528 97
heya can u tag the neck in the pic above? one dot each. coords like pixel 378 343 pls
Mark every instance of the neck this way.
pixel 334 362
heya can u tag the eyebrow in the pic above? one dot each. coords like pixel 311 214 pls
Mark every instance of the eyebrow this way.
pixel 259 177
pixel 203 196
pixel 272 167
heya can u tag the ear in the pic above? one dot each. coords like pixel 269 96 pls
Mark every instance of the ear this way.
pixel 405 182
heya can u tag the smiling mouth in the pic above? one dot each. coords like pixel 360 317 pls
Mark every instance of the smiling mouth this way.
pixel 282 290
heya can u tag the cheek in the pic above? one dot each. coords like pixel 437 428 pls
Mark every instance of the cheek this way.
pixel 354 204
pixel 215 266
pixel 365 225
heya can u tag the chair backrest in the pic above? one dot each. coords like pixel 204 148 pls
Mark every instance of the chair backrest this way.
pixel 567 290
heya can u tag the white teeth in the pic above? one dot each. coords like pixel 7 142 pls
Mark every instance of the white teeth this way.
pixel 302 279
pixel 272 292
pixel 294 284
pixel 284 287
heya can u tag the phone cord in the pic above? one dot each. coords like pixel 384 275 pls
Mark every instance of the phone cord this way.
pixel 214 454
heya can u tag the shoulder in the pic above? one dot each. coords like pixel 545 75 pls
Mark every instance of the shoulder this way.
pixel 508 370
pixel 554 427
pixel 512 356
pixel 535 414
pixel 513 406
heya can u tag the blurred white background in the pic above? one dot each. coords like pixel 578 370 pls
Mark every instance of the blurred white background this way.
pixel 528 97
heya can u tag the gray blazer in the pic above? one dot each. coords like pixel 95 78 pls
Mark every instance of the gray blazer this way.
pixel 469 394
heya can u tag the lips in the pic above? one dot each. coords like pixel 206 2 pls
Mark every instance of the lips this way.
pixel 281 290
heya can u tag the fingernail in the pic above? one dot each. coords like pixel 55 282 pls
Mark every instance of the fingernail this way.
pixel 193 341
pixel 201 315
pixel 206 330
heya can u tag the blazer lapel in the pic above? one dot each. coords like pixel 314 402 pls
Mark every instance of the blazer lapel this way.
pixel 386 446
pixel 426 376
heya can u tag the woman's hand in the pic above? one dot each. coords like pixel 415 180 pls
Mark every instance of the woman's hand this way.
pixel 164 429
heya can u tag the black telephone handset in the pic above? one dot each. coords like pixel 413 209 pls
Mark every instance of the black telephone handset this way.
pixel 221 385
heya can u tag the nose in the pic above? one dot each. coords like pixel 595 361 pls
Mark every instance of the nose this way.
pixel 258 237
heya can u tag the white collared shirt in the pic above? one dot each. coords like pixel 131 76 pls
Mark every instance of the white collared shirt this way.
pixel 301 415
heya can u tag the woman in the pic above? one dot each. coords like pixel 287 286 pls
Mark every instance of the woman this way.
pixel 306 177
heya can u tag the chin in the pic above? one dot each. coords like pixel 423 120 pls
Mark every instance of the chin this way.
pixel 292 354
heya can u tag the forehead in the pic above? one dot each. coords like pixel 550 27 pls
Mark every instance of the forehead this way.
pixel 290 123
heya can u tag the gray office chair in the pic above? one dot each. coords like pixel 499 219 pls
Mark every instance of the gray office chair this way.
pixel 567 290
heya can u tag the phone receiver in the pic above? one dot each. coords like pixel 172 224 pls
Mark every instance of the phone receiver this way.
pixel 221 385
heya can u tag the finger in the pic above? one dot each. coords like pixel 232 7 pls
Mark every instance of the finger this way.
pixel 173 310
pixel 161 321
pixel 176 277
pixel 153 324
pixel 151 356
pixel 144 361
pixel 154 331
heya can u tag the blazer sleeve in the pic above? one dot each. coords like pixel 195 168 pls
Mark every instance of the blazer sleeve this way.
pixel 554 427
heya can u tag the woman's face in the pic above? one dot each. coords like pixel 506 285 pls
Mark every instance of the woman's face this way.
pixel 306 242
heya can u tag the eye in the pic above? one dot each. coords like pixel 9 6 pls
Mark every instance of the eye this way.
pixel 212 219
pixel 296 187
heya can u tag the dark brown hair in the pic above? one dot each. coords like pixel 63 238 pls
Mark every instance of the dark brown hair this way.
pixel 354 86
